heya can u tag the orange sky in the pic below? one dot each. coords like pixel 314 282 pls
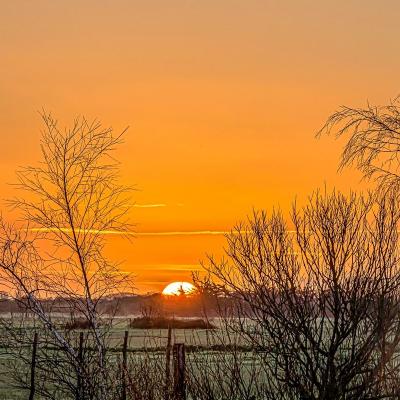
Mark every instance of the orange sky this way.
pixel 223 98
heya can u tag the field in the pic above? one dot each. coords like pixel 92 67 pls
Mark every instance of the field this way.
pixel 204 349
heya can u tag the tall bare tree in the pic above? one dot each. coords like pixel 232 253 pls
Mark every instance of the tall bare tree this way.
pixel 373 143
pixel 70 202
pixel 317 298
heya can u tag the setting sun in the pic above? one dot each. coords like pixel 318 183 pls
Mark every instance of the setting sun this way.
pixel 177 288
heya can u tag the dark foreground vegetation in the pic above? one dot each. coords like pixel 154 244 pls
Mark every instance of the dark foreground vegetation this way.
pixel 165 323
pixel 309 304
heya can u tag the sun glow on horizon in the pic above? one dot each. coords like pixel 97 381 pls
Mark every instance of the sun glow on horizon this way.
pixel 178 288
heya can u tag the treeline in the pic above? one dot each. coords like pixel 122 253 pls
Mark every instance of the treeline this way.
pixel 128 305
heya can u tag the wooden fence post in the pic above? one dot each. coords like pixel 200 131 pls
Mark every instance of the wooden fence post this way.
pixel 168 365
pixel 79 384
pixel 179 372
pixel 33 366
pixel 124 364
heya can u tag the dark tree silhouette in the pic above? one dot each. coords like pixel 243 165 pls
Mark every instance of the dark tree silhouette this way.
pixel 318 298
pixel 373 141
pixel 69 202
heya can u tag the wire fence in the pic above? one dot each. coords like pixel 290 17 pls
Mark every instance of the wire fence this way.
pixel 171 352
pixel 175 368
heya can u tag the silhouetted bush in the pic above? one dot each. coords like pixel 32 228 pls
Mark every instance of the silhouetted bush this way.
pixel 77 324
pixel 165 323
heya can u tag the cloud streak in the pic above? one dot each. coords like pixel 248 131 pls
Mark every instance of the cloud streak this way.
pixel 166 267
pixel 79 230
pixel 157 205
pixel 131 233
pixel 182 233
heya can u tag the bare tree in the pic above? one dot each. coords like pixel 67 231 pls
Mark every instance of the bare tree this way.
pixel 318 300
pixel 71 201
pixel 374 140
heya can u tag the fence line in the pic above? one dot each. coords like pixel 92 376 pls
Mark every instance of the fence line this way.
pixel 33 366
pixel 179 367
pixel 179 372
pixel 79 384
pixel 124 364
pixel 168 366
